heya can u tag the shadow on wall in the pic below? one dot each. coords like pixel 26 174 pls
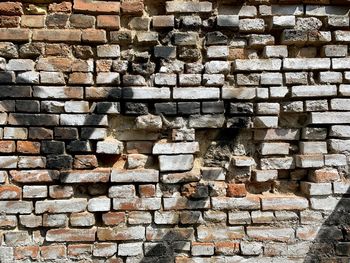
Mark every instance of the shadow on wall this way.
pixel 332 242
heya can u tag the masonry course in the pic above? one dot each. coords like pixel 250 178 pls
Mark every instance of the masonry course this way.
pixel 174 131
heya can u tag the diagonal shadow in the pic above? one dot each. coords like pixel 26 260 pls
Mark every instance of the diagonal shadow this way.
pixel 331 243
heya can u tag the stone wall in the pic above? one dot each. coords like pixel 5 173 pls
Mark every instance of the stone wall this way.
pixel 171 131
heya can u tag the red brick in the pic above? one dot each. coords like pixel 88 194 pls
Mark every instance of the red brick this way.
pixel 10 192
pixel 9 21
pixel 227 248
pixel 236 190
pixel 94 36
pixel 88 6
pixel 57 35
pixel 113 218
pixel 15 34
pixel 148 190
pixel 26 252
pixel 34 176
pixel 64 7
pixel 11 8
pixel 53 251
pixel 134 7
pixel 108 21
pixel 7 146
pixel 28 147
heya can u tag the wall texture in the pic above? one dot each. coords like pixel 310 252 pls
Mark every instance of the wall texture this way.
pixel 172 131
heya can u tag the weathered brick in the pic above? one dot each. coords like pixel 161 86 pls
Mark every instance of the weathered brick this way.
pixel 121 233
pixel 271 233
pixel 188 7
pixel 53 252
pixel 100 7
pixel 16 207
pixel 284 203
pixel 93 36
pixel 57 35
pixel 59 235
pixel 15 34
pixel 135 203
pixel 86 176
pixel 247 203
pixel 61 206
pixel 207 234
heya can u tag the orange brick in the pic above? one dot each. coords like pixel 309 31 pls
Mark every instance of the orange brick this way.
pixel 113 218
pixel 9 21
pixel 227 248
pixel 324 175
pixel 236 190
pixel 7 146
pixel 237 53
pixel 108 21
pixel 11 8
pixel 88 6
pixel 148 190
pixel 10 192
pixel 134 7
pixel 28 147
pixel 15 34
pixel 26 252
pixel 64 7
pixel 103 65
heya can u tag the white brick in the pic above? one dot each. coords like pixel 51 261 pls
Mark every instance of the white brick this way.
pixel 99 204
pixel 271 148
pixel 313 147
pixel 340 104
pixel 283 21
pixel 196 93
pixel 329 117
pixel 314 91
pixel 146 93
pixel 265 175
pixel 306 63
pixel 340 131
pixel 278 51
pixel 257 64
pixel 175 148
pixel 175 163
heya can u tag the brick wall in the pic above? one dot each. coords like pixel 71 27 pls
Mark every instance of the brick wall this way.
pixel 172 131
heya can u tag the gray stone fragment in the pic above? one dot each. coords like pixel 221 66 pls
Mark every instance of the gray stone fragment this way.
pixel 183 162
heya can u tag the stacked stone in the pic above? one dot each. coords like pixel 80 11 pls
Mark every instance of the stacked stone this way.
pixel 174 131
